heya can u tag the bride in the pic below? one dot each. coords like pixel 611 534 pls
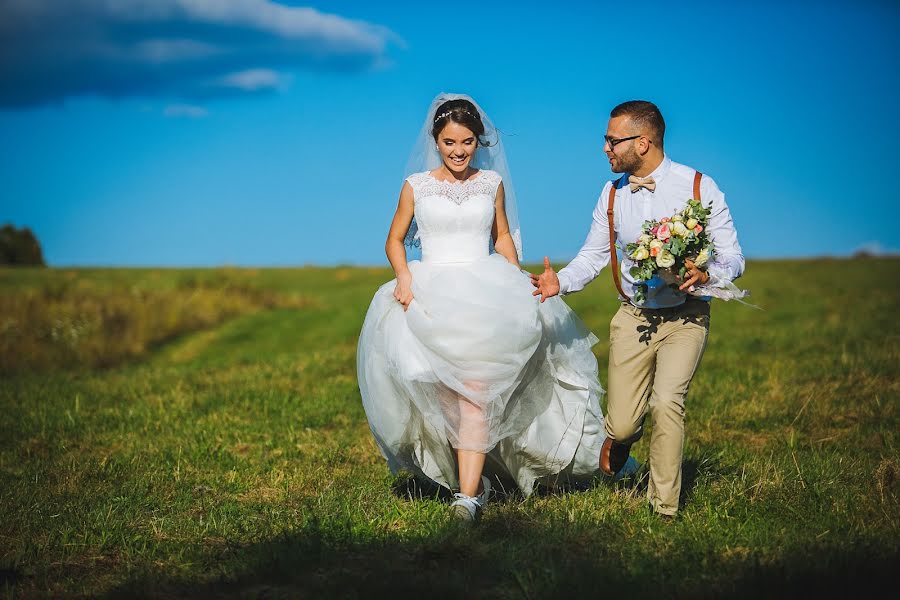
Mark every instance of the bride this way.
pixel 462 371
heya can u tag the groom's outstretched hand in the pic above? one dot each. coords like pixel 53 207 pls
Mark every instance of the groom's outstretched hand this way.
pixel 547 283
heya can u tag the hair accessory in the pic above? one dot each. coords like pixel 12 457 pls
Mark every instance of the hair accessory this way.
pixel 450 112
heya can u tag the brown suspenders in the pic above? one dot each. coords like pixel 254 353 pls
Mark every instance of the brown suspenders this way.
pixel 610 216
pixel 613 256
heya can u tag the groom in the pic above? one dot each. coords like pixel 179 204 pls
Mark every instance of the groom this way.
pixel 655 346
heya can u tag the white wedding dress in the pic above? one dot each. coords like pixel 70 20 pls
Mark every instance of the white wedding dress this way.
pixel 476 347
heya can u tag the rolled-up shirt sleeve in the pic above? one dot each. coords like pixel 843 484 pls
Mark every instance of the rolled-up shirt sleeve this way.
pixel 594 253
pixel 728 261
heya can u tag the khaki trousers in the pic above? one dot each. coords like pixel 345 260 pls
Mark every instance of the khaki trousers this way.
pixel 653 354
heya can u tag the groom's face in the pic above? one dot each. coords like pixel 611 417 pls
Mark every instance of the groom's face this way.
pixel 623 156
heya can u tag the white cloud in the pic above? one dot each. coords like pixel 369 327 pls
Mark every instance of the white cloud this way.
pixel 191 49
pixel 253 80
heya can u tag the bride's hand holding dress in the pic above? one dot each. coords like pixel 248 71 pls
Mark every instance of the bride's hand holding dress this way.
pixel 394 246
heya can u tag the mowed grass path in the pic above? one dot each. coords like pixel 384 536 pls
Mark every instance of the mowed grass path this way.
pixel 237 461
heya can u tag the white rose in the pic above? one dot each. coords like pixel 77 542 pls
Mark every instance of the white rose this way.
pixel 691 223
pixel 640 254
pixel 665 259
pixel 702 258
pixel 655 243
pixel 680 230
pixel 677 218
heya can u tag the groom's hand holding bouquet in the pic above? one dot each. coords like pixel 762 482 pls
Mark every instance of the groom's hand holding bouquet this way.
pixel 672 251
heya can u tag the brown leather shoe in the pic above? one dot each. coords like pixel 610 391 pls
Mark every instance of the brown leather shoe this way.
pixel 613 456
pixel 663 517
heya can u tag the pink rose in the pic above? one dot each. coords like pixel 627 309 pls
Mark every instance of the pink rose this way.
pixel 698 228
pixel 664 220
pixel 653 230
pixel 663 233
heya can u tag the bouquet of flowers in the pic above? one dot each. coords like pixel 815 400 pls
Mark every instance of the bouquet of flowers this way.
pixel 664 245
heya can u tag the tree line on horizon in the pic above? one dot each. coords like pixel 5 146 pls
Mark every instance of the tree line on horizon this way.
pixel 20 247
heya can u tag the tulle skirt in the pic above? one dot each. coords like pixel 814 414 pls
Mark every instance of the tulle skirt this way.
pixel 478 363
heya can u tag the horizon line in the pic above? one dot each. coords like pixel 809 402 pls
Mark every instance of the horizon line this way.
pixel 339 264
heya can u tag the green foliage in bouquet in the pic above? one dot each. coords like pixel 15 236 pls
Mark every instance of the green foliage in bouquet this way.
pixel 664 245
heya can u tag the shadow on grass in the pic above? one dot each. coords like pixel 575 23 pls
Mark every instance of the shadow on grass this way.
pixel 514 554
pixel 9 577
pixel 508 558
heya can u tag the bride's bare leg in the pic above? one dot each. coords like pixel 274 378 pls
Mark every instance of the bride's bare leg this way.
pixel 472 433
pixel 471 464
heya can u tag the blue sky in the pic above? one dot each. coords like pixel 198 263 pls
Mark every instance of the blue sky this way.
pixel 259 134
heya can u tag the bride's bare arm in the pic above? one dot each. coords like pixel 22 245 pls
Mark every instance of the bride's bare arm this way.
pixel 396 251
pixel 503 242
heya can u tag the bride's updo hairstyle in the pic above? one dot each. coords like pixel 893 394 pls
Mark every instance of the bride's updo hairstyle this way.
pixel 459 111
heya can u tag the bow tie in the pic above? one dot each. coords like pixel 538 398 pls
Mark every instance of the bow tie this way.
pixel 637 183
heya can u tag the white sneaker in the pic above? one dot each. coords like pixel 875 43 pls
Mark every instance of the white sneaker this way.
pixel 468 508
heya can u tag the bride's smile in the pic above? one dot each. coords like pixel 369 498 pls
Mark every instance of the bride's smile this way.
pixel 457 144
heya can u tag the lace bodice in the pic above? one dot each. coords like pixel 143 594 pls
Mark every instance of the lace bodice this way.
pixel 454 219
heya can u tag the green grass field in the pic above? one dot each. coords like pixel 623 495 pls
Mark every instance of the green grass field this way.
pixel 199 433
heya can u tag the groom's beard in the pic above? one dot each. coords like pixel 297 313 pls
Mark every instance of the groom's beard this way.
pixel 628 162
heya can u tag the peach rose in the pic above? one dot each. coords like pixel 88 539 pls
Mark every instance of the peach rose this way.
pixel 663 232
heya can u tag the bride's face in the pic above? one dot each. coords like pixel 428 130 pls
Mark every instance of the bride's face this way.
pixel 457 144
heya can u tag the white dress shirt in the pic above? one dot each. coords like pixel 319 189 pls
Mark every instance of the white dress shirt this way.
pixel 674 187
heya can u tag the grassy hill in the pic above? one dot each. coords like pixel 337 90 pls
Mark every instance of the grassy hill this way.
pixel 195 433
